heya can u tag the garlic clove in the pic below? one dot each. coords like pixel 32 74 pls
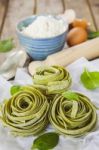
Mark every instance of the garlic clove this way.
pixel 14 60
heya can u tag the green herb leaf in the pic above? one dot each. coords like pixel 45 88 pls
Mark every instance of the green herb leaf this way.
pixel 92 35
pixel 46 141
pixel 6 45
pixel 14 89
pixel 70 95
pixel 90 79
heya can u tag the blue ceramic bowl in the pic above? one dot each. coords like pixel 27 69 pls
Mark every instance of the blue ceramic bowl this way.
pixel 39 48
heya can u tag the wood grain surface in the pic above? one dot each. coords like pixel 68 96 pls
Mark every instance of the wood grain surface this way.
pixel 16 11
pixel 49 6
pixel 81 8
pixel 9 18
pixel 94 8
pixel 3 11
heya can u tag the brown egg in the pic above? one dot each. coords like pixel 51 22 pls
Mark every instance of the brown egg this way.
pixel 76 36
pixel 79 23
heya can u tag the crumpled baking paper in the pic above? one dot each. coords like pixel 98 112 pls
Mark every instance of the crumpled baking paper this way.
pixel 88 142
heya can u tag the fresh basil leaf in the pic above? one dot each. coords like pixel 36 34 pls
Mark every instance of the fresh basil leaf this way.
pixel 70 95
pixel 90 80
pixel 46 141
pixel 6 45
pixel 92 34
pixel 14 89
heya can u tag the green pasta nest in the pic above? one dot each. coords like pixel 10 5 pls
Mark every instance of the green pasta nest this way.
pixel 52 79
pixel 73 117
pixel 26 113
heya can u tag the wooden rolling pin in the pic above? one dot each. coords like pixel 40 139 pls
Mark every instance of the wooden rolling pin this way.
pixel 89 50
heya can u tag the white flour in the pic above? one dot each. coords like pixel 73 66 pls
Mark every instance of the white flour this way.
pixel 45 27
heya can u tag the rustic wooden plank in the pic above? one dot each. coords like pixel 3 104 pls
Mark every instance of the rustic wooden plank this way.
pixel 3 9
pixel 94 8
pixel 16 11
pixel 82 9
pixel 49 6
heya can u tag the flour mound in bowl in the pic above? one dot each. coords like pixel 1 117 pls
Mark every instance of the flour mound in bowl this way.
pixel 45 27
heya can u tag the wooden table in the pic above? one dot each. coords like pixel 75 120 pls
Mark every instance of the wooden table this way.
pixel 11 11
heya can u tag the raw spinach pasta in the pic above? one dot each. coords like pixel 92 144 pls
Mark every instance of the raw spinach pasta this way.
pixel 26 113
pixel 52 79
pixel 73 117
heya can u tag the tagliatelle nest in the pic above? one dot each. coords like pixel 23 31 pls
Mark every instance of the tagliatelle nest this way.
pixel 53 79
pixel 73 117
pixel 26 113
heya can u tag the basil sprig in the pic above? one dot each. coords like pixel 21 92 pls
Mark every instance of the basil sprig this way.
pixel 46 141
pixel 15 88
pixel 6 45
pixel 70 95
pixel 89 79
pixel 93 34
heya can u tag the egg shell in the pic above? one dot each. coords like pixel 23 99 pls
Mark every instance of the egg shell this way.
pixel 76 36
pixel 79 23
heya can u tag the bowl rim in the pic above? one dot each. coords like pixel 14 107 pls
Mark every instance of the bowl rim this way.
pixel 48 38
